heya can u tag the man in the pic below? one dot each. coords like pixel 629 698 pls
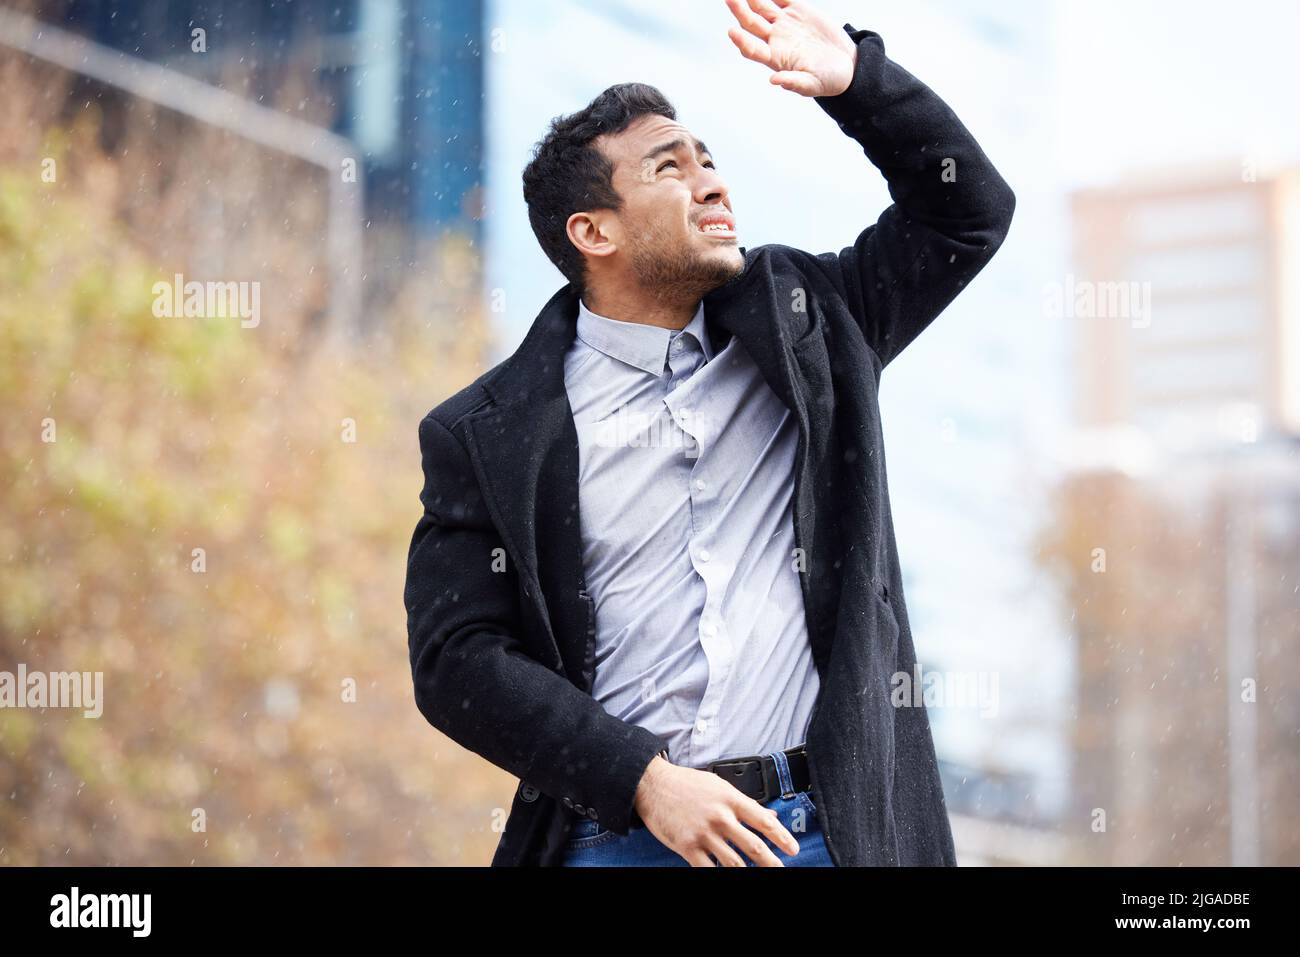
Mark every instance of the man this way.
pixel 656 576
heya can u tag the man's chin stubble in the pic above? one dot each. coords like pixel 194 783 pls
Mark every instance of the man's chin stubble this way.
pixel 686 277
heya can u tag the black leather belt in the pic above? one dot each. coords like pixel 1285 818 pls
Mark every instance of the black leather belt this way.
pixel 756 776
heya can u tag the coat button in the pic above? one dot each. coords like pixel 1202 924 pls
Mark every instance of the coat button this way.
pixel 567 802
pixel 591 813
pixel 528 793
pixel 580 809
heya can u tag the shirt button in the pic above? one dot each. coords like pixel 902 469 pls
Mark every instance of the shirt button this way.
pixel 708 629
pixel 704 554
pixel 699 485
pixel 685 413
pixel 701 726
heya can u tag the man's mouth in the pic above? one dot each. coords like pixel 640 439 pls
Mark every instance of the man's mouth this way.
pixel 717 225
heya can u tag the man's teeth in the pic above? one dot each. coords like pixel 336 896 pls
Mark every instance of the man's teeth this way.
pixel 715 228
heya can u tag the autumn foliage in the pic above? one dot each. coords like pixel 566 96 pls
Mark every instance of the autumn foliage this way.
pixel 215 517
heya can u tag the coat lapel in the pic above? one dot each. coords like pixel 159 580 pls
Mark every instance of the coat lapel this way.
pixel 753 307
pixel 525 448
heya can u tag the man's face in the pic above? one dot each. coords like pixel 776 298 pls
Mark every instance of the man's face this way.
pixel 675 226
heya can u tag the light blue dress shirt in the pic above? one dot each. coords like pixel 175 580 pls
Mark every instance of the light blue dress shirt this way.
pixel 685 479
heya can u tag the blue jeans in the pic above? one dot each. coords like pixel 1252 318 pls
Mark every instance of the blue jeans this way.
pixel 591 844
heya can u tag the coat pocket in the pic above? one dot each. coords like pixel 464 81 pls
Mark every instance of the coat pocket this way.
pixel 586 833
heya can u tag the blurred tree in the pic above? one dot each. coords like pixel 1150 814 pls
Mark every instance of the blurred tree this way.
pixel 225 690
pixel 1144 566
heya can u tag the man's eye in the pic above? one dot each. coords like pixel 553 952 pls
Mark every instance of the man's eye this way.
pixel 666 165
pixel 709 165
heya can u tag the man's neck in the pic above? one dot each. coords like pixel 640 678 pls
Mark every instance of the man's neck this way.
pixel 635 306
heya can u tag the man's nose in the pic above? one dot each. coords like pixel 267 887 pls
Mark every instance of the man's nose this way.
pixel 710 187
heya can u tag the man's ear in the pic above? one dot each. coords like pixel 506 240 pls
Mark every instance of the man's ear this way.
pixel 594 233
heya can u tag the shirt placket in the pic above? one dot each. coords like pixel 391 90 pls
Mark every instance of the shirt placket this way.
pixel 690 404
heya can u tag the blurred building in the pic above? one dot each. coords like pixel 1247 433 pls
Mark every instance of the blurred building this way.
pixel 1187 302
pixel 998 819
pixel 1182 523
pixel 403 79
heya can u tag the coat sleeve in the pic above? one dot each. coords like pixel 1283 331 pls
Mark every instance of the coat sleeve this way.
pixel 951 208
pixel 475 682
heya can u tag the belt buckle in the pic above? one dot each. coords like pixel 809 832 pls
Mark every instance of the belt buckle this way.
pixel 771 776
pixel 726 768
pixel 768 774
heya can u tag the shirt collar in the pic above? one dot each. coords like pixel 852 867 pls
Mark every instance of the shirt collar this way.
pixel 697 328
pixel 636 343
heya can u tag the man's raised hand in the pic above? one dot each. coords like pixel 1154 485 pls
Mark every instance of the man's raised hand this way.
pixel 808 53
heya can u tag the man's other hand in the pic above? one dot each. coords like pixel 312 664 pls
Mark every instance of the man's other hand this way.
pixel 695 813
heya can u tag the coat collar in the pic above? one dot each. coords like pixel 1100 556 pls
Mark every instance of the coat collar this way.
pixel 534 374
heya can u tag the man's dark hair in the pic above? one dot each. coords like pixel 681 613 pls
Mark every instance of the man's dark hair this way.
pixel 568 174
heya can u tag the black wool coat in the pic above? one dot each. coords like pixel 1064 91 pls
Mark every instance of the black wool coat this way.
pixel 500 626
